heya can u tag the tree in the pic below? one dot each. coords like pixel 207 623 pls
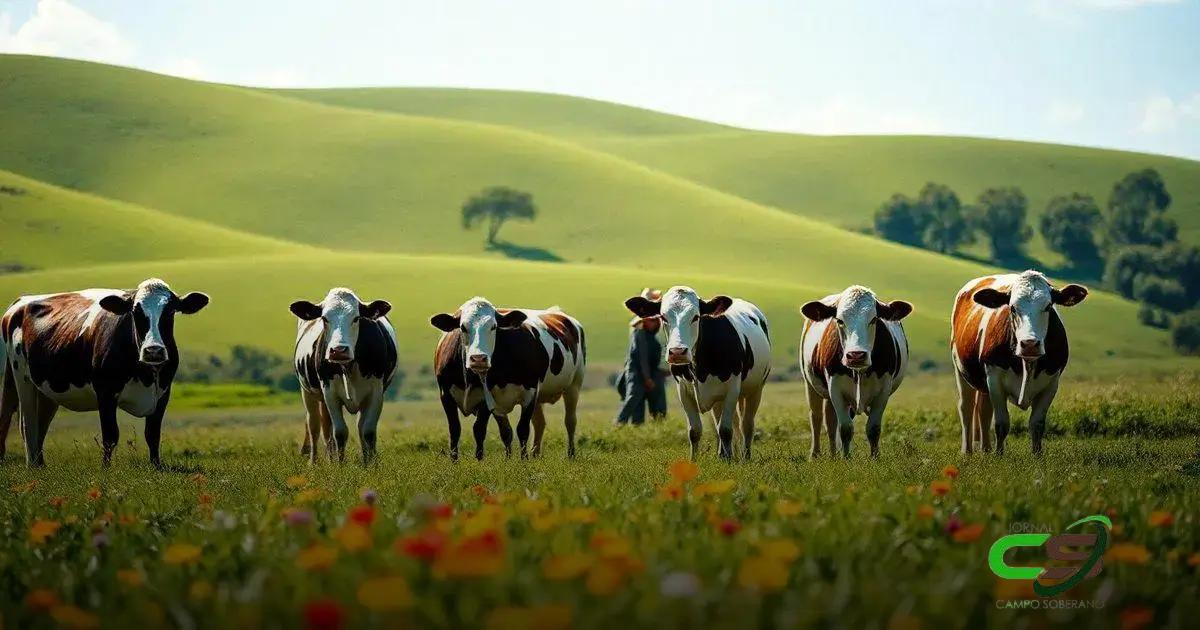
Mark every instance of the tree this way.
pixel 947 226
pixel 1068 227
pixel 1185 334
pixel 497 205
pixel 1136 210
pixel 902 220
pixel 1125 265
pixel 1000 214
pixel 1164 293
pixel 1182 262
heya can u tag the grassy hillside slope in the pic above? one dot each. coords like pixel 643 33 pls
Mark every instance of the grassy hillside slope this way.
pixel 46 226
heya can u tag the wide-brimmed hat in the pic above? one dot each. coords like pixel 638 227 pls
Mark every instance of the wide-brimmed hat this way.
pixel 653 295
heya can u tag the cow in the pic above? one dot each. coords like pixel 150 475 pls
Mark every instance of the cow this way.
pixel 91 350
pixel 489 360
pixel 719 352
pixel 854 355
pixel 345 359
pixel 1008 344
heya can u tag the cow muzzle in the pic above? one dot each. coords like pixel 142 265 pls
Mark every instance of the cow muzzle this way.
pixel 339 354
pixel 479 363
pixel 154 355
pixel 1030 349
pixel 857 360
pixel 678 356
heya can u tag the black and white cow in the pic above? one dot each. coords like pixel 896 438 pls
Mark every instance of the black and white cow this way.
pixel 345 359
pixel 490 360
pixel 92 350
pixel 719 352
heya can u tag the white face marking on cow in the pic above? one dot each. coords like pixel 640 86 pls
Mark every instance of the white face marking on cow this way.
pixel 341 318
pixel 152 298
pixel 856 321
pixel 478 322
pixel 681 314
pixel 1029 308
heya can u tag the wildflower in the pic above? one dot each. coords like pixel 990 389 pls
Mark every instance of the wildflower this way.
pixel 475 556
pixel 1194 560
pixel 41 530
pixel 99 540
pixel 57 502
pixel 785 508
pixel 316 557
pixel 1127 553
pixel 130 577
pixel 369 496
pixel 566 566
pixel 323 614
pixel 581 515
pixel 198 478
pixel 361 514
pixel 545 522
pixel 729 527
pixel 94 493
pixel 41 599
pixel 780 549
pixel 424 546
pixel 953 524
pixel 297 517
pixel 200 590
pixel 714 488
pixel 1135 617
pixel 181 553
pixel 481 491
pixel 440 511
pixel 309 495
pixel 764 574
pixel 683 470
pixel 670 492
pixel 296 481
pixel 487 518
pixel 22 488
pixel 531 507
pixel 127 519
pixel 925 512
pixel 353 537
pixel 542 617
pixel 968 533
pixel 385 594
pixel 70 616
pixel 610 545
pixel 680 585
pixel 605 578
pixel 939 487
pixel 1160 518
pixel 950 471
pixel 912 489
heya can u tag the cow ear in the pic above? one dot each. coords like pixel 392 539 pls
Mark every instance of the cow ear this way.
pixel 643 307
pixel 444 322
pixel 991 298
pixel 192 303
pixel 511 319
pixel 375 309
pixel 818 311
pixel 117 304
pixel 305 310
pixel 1069 295
pixel 894 311
pixel 716 306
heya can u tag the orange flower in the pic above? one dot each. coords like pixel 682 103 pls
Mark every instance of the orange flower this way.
pixel 925 512
pixel 69 616
pixel 385 594
pixel 950 471
pixel 1194 560
pixel 481 491
pixel 41 599
pixel 57 502
pixel 683 470
pixel 1161 518
pixel 41 530
pixel 353 537
pixel 204 499
pixel 1135 617
pixel 939 488
pixel 94 493
pixel 1127 553
pixel 968 533
pixel 316 557
pixel 1014 589
pixel 670 492
pixel 566 566
pixel 605 578
pixel 474 556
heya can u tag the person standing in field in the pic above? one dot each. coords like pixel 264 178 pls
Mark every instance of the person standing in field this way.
pixel 642 382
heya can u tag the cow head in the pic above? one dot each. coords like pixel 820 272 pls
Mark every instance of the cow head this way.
pixel 680 309
pixel 153 306
pixel 1030 299
pixel 478 322
pixel 341 313
pixel 857 313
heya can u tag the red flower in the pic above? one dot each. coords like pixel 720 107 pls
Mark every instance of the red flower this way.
pixel 323 614
pixel 362 514
pixel 953 524
pixel 729 527
pixel 441 511
pixel 424 546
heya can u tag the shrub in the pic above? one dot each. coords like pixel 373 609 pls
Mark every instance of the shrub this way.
pixel 1185 334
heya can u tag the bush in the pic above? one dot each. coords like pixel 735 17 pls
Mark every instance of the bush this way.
pixel 1185 334
pixel 1068 227
pixel 1153 317
pixel 1161 292
pixel 1124 267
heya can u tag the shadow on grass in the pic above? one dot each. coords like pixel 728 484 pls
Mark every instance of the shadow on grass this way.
pixel 522 252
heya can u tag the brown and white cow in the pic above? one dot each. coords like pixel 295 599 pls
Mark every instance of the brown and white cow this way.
pixel 1008 343
pixel 854 353
pixel 490 360
pixel 719 352
pixel 92 350
pixel 345 359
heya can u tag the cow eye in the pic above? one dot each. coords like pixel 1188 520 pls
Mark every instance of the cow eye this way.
pixel 695 318
pixel 357 319
pixel 463 328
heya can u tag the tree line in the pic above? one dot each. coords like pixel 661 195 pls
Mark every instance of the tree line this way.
pixel 1133 245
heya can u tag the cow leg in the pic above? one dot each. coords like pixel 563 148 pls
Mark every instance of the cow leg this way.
pixel 539 428
pixel 341 432
pixel 983 415
pixel 452 422
pixel 570 417
pixel 875 418
pixel 110 432
pixel 368 426
pixel 1037 415
pixel 966 410
pixel 749 410
pixel 8 401
pixel 327 432
pixel 152 432
pixel 999 410
pixel 506 431
pixel 830 425
pixel 815 405
pixel 728 411
pixel 482 413
pixel 313 417
pixel 691 409
pixel 844 420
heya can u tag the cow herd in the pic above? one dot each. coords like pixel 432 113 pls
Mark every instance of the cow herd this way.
pixel 103 350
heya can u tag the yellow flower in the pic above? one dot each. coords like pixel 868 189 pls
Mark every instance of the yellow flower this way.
pixel 487 518
pixel 308 496
pixel 683 470
pixel 1160 518
pixel 385 593
pixel 581 515
pixel 297 481
pixel 714 488
pixel 130 577
pixel 760 573
pixel 781 549
pixel 530 507
pixel 200 590
pixel 74 617
pixel 566 566
pixel 784 507
pixel 543 617
pixel 181 553
pixel 611 545
pixel 316 557
pixel 545 522
pixel 353 537
pixel 1127 553
pixel 41 530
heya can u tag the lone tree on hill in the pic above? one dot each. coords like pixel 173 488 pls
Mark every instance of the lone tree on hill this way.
pixel 1069 228
pixel 1000 214
pixel 497 205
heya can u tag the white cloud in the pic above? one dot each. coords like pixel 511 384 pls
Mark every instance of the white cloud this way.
pixel 1161 114
pixel 61 29
pixel 1064 113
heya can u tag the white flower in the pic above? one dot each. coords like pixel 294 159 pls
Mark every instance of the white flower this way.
pixel 680 585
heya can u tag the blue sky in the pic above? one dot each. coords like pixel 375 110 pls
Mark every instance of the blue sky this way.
pixel 1112 73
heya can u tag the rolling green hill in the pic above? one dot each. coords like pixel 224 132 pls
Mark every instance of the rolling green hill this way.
pixel 281 198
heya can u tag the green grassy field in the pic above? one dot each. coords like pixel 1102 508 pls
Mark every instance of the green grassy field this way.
pixel 779 541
